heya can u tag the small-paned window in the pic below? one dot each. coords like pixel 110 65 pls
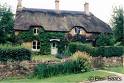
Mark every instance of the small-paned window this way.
pixel 36 45
pixel 35 31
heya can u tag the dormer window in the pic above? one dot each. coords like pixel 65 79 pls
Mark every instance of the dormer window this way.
pixel 35 31
pixel 77 30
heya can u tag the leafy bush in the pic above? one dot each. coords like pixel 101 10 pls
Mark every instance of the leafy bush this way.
pixel 110 51
pixel 9 53
pixel 105 51
pixel 105 40
pixel 66 54
pixel 77 46
pixel 84 60
pixel 73 65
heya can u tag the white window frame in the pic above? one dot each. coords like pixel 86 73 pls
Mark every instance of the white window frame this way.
pixel 37 50
pixel 36 31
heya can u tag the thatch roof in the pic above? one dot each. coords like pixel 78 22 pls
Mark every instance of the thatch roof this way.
pixel 64 21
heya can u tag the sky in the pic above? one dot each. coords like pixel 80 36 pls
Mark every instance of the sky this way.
pixel 101 8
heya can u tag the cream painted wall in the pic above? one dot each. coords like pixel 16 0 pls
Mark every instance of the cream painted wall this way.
pixel 27 45
pixel 17 32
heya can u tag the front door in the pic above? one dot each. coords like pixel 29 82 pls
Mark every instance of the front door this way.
pixel 54 49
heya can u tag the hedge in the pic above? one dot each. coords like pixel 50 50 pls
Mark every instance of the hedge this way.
pixel 105 51
pixel 9 53
pixel 77 46
pixel 110 51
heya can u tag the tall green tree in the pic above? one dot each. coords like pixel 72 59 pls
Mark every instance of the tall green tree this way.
pixel 118 24
pixel 6 24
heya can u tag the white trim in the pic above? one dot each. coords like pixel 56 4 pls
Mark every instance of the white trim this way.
pixel 55 40
pixel 36 31
pixel 37 50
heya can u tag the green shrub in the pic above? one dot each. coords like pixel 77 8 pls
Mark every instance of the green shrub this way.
pixel 73 65
pixel 111 51
pixel 83 59
pixel 77 46
pixel 105 40
pixel 9 53
pixel 105 51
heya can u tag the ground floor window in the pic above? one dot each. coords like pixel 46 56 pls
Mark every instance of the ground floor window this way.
pixel 36 45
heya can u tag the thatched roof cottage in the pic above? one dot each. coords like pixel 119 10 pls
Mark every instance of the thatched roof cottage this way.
pixel 59 20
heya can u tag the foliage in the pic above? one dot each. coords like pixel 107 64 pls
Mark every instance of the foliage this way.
pixel 67 52
pixel 77 46
pixel 75 65
pixel 45 41
pixel 27 36
pixel 117 24
pixel 11 53
pixel 44 38
pixel 6 24
pixel 71 78
pixel 105 40
pixel 105 51
pixel 84 59
pixel 110 51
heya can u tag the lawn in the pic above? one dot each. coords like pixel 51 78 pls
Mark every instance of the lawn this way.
pixel 72 78
pixel 116 69
pixel 45 57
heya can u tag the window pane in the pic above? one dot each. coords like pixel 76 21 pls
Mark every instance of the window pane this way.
pixel 54 45
pixel 34 30
pixel 34 47
pixel 77 30
pixel 38 43
pixel 38 47
pixel 34 42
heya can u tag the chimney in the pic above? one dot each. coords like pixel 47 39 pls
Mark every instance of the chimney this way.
pixel 19 5
pixel 86 8
pixel 57 6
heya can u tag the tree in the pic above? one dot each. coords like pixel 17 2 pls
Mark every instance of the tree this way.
pixel 118 24
pixel 105 40
pixel 6 24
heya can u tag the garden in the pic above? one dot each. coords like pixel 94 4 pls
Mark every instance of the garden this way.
pixel 76 58
pixel 20 64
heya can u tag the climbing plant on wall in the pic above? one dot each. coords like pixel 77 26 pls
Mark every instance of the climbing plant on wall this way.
pixel 44 38
pixel 45 41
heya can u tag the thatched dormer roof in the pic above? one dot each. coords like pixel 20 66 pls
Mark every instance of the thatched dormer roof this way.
pixel 50 20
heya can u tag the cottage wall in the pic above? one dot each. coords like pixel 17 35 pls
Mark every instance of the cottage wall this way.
pixel 82 32
pixel 17 32
pixel 27 45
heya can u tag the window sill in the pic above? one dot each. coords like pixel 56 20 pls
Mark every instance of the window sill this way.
pixel 36 50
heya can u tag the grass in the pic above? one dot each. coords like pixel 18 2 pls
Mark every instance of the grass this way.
pixel 45 57
pixel 116 69
pixel 72 78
